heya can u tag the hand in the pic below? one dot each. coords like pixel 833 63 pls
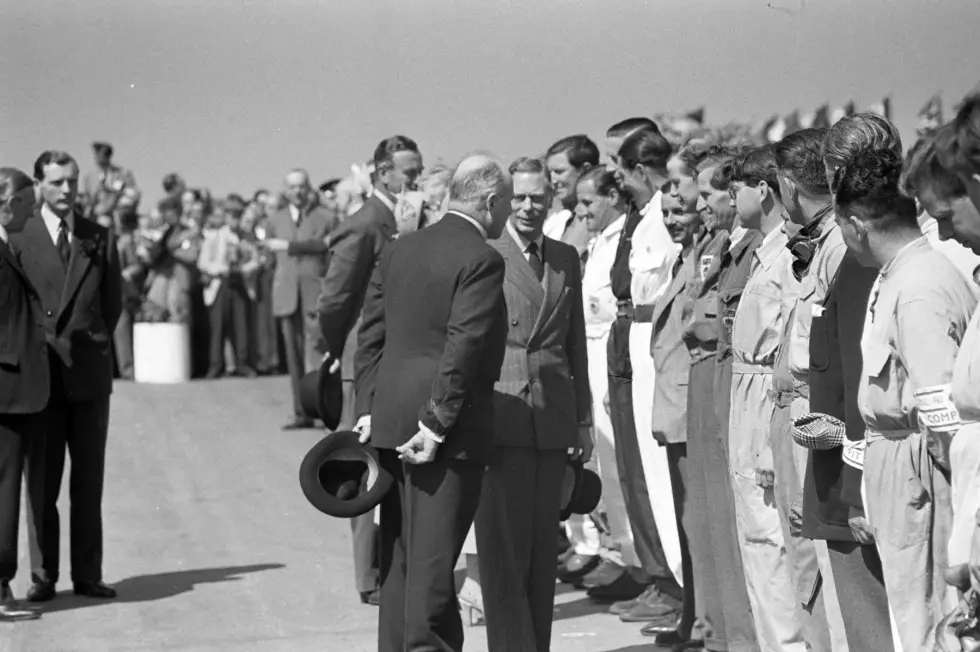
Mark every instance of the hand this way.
pixel 605 403
pixel 861 530
pixel 334 366
pixel 938 444
pixel 277 244
pixel 585 444
pixel 765 477
pixel 796 519
pixel 420 449
pixel 363 428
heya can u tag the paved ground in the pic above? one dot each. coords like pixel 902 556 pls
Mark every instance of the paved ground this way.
pixel 214 548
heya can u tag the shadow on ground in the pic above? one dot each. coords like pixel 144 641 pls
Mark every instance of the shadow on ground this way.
pixel 147 588
pixel 582 607
pixel 638 648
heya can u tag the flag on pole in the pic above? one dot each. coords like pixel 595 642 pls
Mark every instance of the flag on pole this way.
pixel 930 115
pixel 696 115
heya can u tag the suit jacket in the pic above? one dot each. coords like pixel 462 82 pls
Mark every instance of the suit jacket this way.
pixel 24 372
pixel 300 268
pixel 543 393
pixel 81 305
pixel 355 249
pixel 431 341
pixel 831 487
pixel 670 356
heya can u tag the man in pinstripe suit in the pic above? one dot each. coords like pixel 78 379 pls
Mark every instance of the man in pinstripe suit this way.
pixel 542 407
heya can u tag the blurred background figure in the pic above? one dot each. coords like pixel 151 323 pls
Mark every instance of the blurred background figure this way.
pixel 434 185
pixel 107 184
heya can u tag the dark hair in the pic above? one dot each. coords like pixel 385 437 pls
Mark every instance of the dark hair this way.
pixel 631 125
pixel 579 148
pixel 385 152
pixel 102 148
pixel 855 133
pixel 753 167
pixel 799 157
pixel 171 182
pixel 963 153
pixel 645 147
pixel 692 154
pixel 530 165
pixel 867 186
pixel 329 185
pixel 604 180
pixel 715 157
pixel 170 204
pixel 51 157
pixel 255 195
pixel 12 181
pixel 926 167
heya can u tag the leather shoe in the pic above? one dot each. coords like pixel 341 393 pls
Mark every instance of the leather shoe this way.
pixel 11 610
pixel 664 625
pixel 624 587
pixel 606 572
pixel 622 606
pixel 653 606
pixel 677 641
pixel 299 423
pixel 41 592
pixel 370 597
pixel 576 567
pixel 95 590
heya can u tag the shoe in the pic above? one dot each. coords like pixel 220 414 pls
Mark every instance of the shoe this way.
pixel 623 606
pixel 624 587
pixel 95 590
pixel 660 626
pixel 606 572
pixel 299 423
pixel 370 597
pixel 213 373
pixel 11 610
pixel 247 372
pixel 41 592
pixel 654 606
pixel 576 567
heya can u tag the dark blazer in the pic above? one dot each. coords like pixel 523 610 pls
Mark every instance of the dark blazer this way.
pixel 24 373
pixel 543 393
pixel 354 251
pixel 300 268
pixel 432 338
pixel 81 305
pixel 832 488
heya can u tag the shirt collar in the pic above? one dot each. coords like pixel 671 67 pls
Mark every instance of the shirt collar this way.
pixel 771 247
pixel 904 253
pixel 737 235
pixel 51 219
pixel 479 227
pixel 615 228
pixel 521 241
pixel 652 206
pixel 3 235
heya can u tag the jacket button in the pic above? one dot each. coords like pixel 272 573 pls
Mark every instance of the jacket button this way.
pixel 49 313
pixel 513 322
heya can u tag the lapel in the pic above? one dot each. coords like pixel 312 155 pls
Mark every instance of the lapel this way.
pixel 36 250
pixel 677 284
pixel 8 256
pixel 518 271
pixel 388 223
pixel 554 282
pixel 81 260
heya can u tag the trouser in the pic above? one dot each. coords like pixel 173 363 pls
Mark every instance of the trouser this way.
pixel 301 334
pixel 265 333
pixel 861 595
pixel 620 537
pixel 646 539
pixel 909 507
pixel 678 464
pixel 123 344
pixel 81 428
pixel 719 583
pixel 21 442
pixel 776 609
pixel 424 521
pixel 228 318
pixel 653 457
pixel 807 559
pixel 515 534
pixel 964 454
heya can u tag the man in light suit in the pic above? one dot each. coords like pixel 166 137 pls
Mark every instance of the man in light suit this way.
pixel 543 408
pixel 429 349
pixel 298 235
pixel 73 263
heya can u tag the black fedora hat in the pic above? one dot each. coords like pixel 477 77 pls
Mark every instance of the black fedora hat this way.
pixel 342 477
pixel 321 395
pixel 581 490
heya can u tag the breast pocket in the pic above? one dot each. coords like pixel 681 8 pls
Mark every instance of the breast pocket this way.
pixel 727 305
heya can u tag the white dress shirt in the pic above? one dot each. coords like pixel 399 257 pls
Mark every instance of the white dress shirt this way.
pixel 652 255
pixel 524 243
pixel 556 223
pixel 53 223
pixel 3 234
pixel 600 303
pixel 294 213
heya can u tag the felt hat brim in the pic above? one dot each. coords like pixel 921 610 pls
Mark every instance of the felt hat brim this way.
pixel 342 477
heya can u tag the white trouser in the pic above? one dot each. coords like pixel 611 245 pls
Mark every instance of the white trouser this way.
pixel 653 456
pixel 891 614
pixel 964 455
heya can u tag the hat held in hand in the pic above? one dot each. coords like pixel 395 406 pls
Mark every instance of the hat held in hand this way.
pixel 342 477
pixel 321 395
pixel 581 490
pixel 819 432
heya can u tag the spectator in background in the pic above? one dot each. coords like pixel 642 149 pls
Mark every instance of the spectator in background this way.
pixel 263 333
pixel 133 275
pixel 174 185
pixel 108 183
pixel 434 185
pixel 567 160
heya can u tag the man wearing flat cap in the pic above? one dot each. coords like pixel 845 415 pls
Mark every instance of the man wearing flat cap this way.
pixel 108 184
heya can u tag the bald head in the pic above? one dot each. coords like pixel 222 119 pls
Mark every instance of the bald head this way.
pixel 481 188
pixel 297 188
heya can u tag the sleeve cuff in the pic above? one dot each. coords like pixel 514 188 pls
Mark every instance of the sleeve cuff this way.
pixel 429 434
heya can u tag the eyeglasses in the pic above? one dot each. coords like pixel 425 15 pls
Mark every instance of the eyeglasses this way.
pixel 734 188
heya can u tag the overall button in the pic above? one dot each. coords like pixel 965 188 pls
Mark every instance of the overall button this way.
pixel 513 322
pixel 49 313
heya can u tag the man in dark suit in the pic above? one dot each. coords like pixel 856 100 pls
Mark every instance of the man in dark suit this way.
pixel 430 348
pixel 24 381
pixel 354 251
pixel 543 408
pixel 73 264
pixel 298 235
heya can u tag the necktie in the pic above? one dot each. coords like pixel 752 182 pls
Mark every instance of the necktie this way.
pixel 64 248
pixel 534 259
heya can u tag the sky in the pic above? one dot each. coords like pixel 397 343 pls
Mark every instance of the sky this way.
pixel 234 93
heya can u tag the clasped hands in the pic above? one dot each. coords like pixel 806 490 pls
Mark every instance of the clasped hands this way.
pixel 420 449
